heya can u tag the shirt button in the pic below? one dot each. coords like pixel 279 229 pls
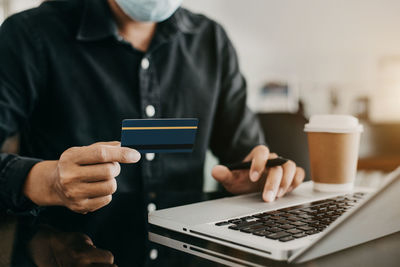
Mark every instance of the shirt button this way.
pixel 150 156
pixel 120 38
pixel 151 207
pixel 145 63
pixel 153 254
pixel 150 111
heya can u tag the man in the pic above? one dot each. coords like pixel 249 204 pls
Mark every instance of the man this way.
pixel 72 70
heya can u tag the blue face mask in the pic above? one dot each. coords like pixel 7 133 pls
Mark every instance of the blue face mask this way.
pixel 149 10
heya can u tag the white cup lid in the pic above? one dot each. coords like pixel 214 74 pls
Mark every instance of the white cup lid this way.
pixel 333 124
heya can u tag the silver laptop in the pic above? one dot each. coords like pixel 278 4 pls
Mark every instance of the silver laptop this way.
pixel 245 231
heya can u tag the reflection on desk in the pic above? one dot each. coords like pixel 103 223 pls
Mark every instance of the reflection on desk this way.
pixel 111 236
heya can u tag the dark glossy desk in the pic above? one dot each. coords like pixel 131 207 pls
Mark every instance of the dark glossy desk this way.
pixel 108 236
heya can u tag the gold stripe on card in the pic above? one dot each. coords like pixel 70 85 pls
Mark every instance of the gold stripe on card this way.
pixel 161 128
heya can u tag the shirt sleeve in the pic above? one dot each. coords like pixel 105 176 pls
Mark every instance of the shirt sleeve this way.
pixel 236 130
pixel 21 74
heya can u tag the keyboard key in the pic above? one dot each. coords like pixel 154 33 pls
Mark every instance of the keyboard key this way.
pixel 247 224
pixel 274 212
pixel 294 231
pixel 298 223
pixel 294 219
pixel 258 227
pixel 270 224
pixel 309 221
pixel 325 220
pixel 287 226
pixel 307 210
pixel 277 235
pixel 312 232
pixel 306 216
pixel 282 221
pixel 275 217
pixel 297 212
pixel 222 223
pixel 324 201
pixel 299 235
pixel 285 239
pixel 317 224
pixel 246 218
pixel 235 221
pixel 286 215
pixel 233 227
pixel 287 209
pixel 324 223
pixel 275 229
pixel 262 233
pixel 305 228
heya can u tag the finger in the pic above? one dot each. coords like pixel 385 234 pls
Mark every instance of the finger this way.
pixel 99 256
pixel 111 143
pixel 98 172
pixel 289 170
pixel 260 156
pixel 95 190
pixel 222 174
pixel 93 204
pixel 272 156
pixel 85 238
pixel 298 178
pixel 272 184
pixel 105 153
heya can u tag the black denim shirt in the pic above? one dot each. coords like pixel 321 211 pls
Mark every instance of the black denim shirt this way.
pixel 67 79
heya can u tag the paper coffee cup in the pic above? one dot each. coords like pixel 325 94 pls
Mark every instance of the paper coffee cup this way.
pixel 333 142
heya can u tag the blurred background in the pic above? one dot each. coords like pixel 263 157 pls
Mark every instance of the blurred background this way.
pixel 308 57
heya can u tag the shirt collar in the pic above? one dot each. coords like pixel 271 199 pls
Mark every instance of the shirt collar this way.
pixel 98 23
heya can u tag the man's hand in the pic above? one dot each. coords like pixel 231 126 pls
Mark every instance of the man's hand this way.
pixel 274 182
pixel 50 247
pixel 83 179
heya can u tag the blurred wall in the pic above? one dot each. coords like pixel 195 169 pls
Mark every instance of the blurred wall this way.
pixel 319 45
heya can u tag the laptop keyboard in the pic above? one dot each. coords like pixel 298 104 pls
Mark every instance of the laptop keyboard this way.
pixel 294 222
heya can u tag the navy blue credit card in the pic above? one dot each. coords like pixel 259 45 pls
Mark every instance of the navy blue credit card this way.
pixel 159 135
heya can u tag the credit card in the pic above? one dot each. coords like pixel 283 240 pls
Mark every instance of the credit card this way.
pixel 159 135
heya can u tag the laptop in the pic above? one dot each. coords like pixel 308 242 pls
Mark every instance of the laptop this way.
pixel 304 225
